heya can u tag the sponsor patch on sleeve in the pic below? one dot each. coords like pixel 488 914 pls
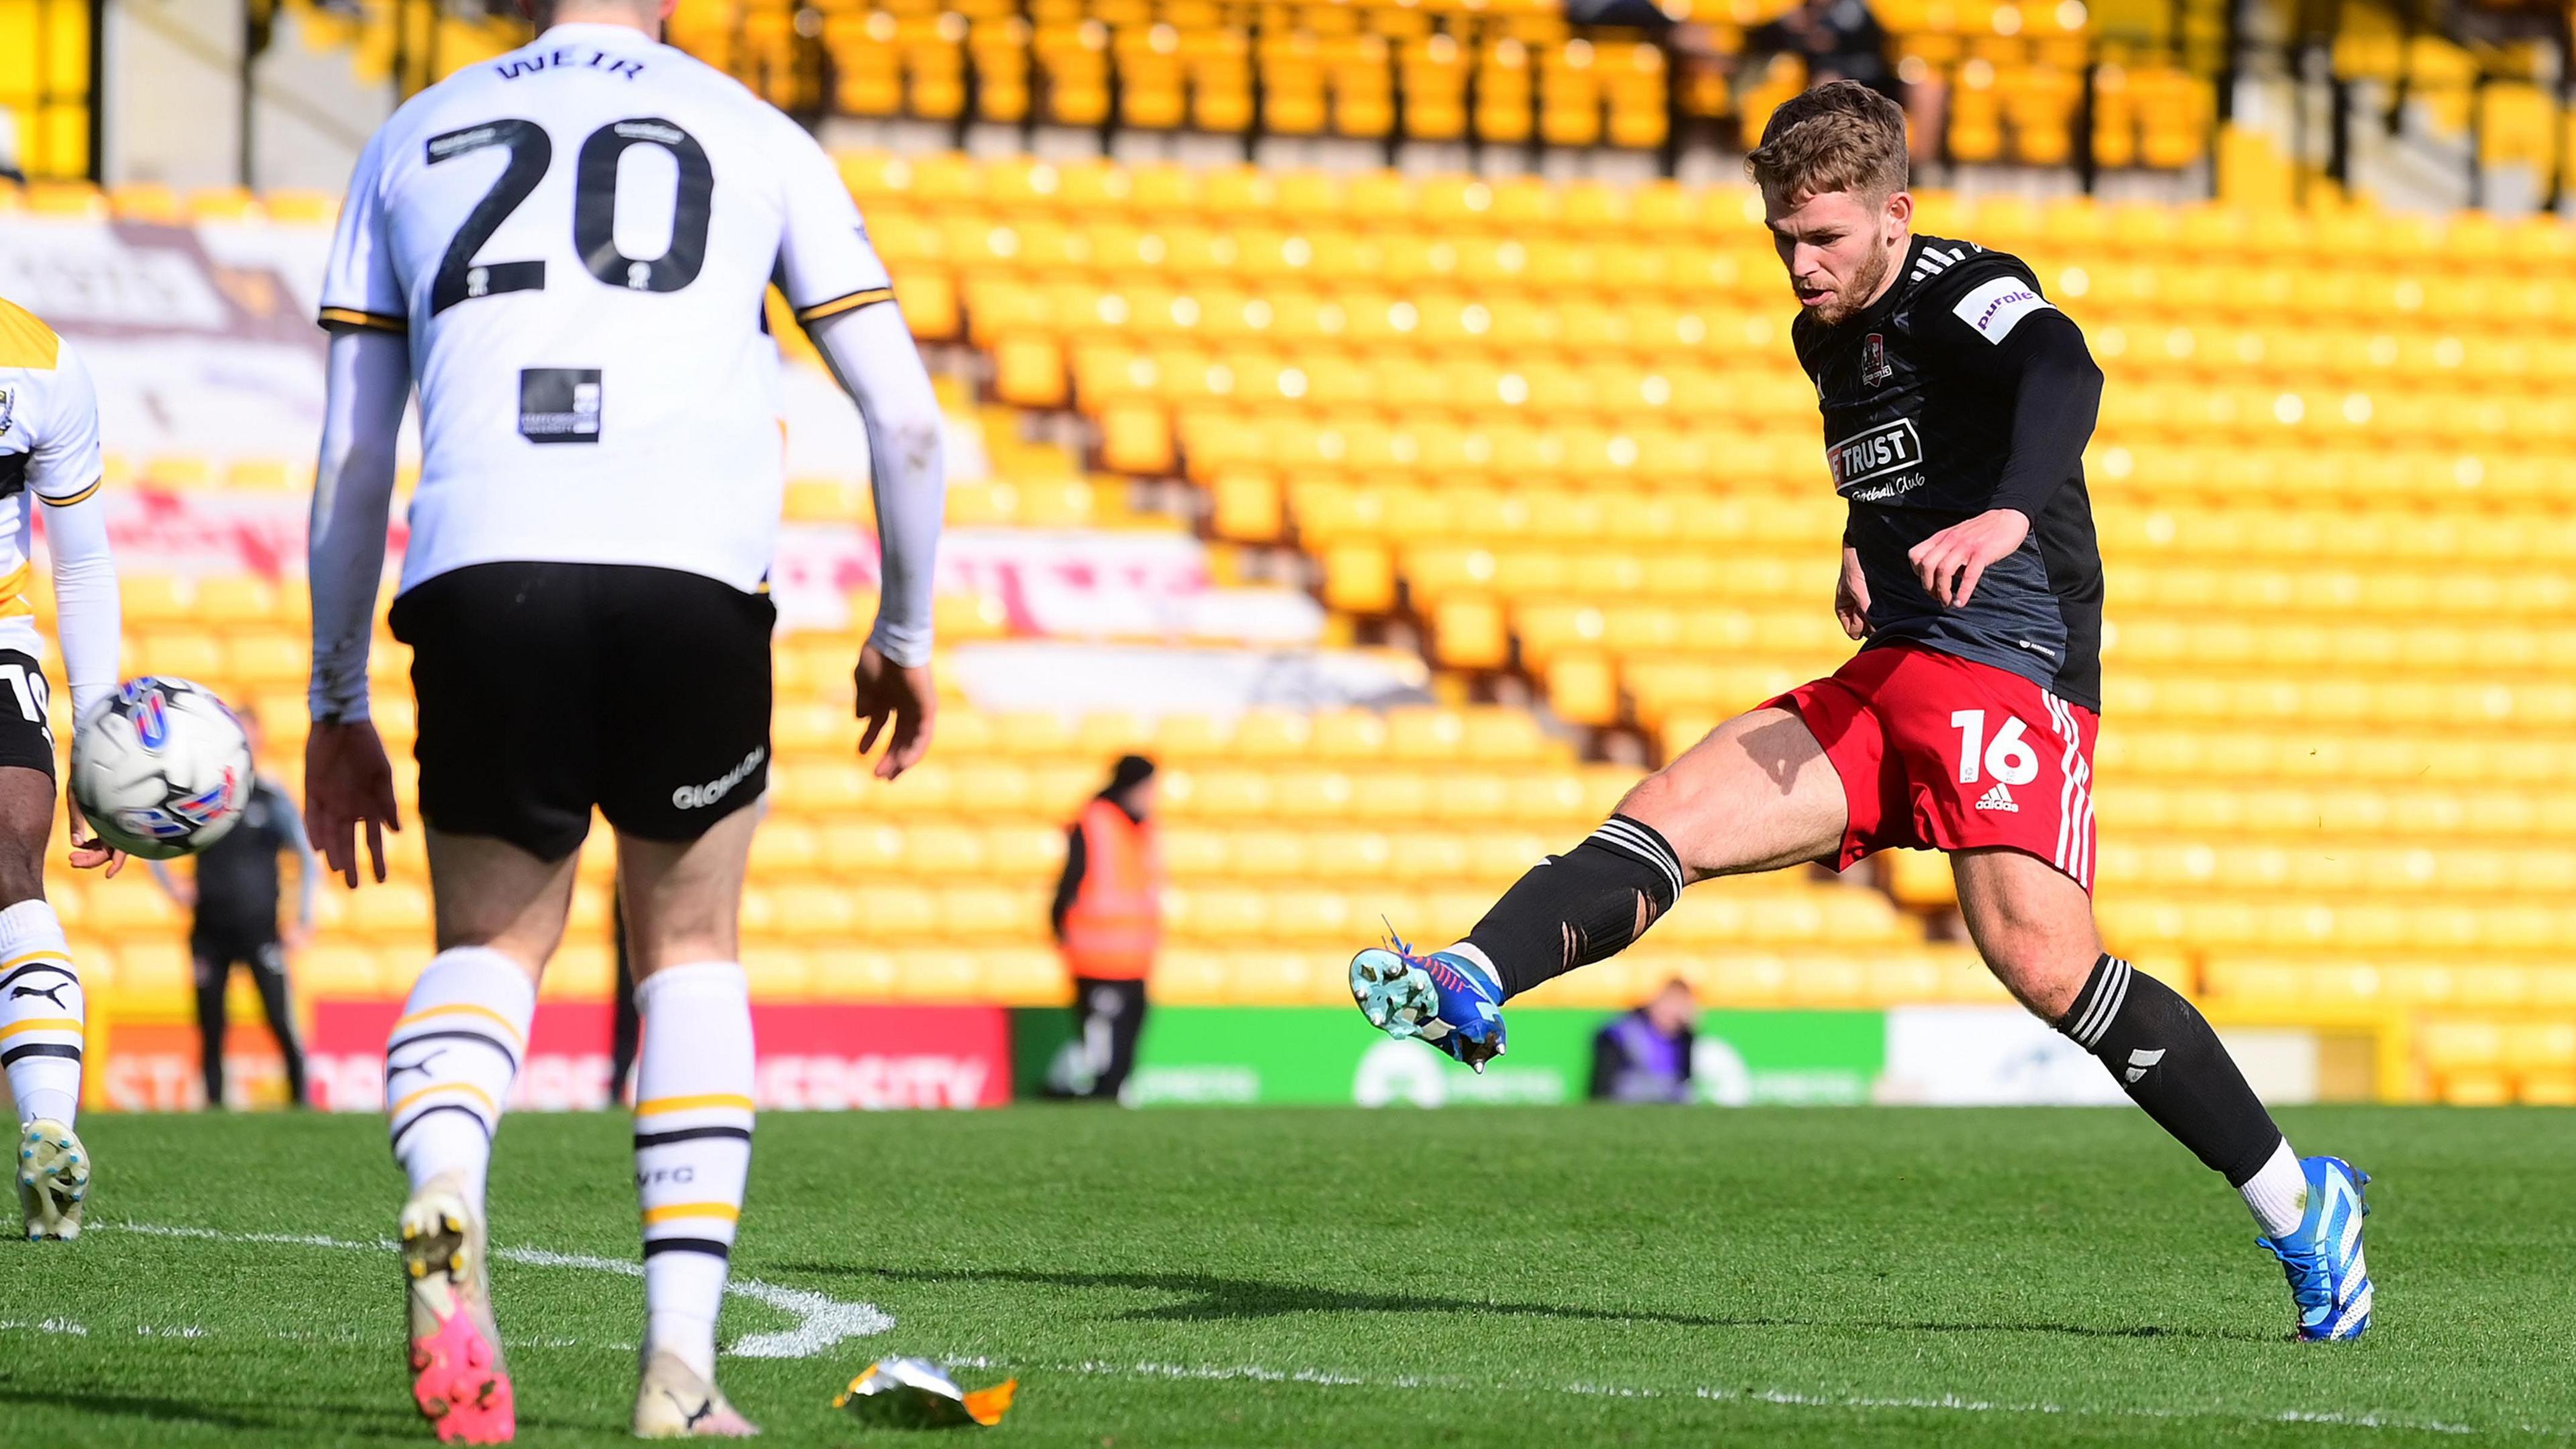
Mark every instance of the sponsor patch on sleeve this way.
pixel 1997 307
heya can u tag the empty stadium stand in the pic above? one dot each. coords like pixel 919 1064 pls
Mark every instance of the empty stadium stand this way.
pixel 1558 427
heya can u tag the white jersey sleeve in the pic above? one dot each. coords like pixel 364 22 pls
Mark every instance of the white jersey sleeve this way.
pixel 64 466
pixel 360 287
pixel 49 453
pixel 826 265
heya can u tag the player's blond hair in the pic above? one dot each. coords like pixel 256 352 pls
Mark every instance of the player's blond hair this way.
pixel 1839 136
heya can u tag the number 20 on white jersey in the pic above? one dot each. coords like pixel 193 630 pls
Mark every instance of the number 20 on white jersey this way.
pixel 577 238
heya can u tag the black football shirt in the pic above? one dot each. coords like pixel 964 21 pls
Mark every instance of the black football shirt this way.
pixel 1919 394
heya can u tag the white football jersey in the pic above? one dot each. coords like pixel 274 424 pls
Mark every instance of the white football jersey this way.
pixel 48 448
pixel 577 238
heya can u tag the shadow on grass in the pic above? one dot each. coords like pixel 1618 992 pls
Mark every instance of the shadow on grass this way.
pixel 1211 1298
pixel 344 1420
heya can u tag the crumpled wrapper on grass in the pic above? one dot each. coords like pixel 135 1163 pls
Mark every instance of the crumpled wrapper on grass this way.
pixel 913 1393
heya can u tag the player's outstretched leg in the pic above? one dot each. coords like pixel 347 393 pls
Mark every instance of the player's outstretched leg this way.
pixel 2034 926
pixel 1757 794
pixel 41 1024
pixel 1571 910
pixel 448 1068
pixel 693 1116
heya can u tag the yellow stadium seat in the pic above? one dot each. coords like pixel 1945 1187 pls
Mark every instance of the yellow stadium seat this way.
pixel 777 972
pixel 944 852
pixel 851 973
pixel 394 910
pixel 339 970
pixel 1023 976
pixel 985 912
pixel 878 912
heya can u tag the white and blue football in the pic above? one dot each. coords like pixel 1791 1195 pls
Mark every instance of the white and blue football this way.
pixel 161 768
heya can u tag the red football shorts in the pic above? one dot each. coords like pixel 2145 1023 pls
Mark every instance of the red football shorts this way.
pixel 1938 752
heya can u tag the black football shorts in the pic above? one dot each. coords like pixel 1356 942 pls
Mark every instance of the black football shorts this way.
pixel 548 688
pixel 26 732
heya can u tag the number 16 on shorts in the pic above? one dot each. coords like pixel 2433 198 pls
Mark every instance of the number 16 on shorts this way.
pixel 2029 785
pixel 2008 756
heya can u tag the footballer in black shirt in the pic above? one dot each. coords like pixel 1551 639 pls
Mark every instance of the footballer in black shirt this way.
pixel 1956 403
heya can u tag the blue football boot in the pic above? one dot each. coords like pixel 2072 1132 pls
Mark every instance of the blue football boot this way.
pixel 2322 1255
pixel 1443 998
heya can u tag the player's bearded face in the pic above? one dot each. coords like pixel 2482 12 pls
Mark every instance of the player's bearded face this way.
pixel 1839 248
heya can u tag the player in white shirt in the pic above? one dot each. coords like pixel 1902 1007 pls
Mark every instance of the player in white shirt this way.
pixel 568 248
pixel 48 453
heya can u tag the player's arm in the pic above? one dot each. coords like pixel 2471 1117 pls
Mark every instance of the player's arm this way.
pixel 1851 596
pixel 870 353
pixel 347 779
pixel 308 868
pixel 64 473
pixel 1068 884
pixel 2036 354
pixel 841 293
pixel 177 887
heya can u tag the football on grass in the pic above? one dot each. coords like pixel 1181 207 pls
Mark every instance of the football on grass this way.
pixel 161 769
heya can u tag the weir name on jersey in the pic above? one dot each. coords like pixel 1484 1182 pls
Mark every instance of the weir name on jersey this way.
pixel 567 58
pixel 1889 448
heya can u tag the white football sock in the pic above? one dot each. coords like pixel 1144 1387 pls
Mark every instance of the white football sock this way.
pixel 1469 950
pixel 693 1081
pixel 449 1063
pixel 2279 1193
pixel 40 1014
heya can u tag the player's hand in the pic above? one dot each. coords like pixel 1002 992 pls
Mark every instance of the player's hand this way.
pixel 1950 562
pixel 897 703
pixel 88 851
pixel 348 782
pixel 1851 597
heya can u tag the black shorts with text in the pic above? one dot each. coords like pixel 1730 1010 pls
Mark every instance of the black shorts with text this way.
pixel 548 688
pixel 26 730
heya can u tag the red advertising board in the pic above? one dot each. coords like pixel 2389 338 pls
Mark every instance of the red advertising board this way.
pixel 812 1058
pixel 151 1066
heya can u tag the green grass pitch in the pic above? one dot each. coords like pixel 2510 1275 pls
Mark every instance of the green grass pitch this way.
pixel 1327 1277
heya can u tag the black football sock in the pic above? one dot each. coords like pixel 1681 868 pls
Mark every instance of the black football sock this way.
pixel 2168 1060
pixel 1583 906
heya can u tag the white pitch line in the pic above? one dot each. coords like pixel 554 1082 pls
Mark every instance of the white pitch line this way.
pixel 50 1325
pixel 821 1321
pixel 824 1321
pixel 1780 1398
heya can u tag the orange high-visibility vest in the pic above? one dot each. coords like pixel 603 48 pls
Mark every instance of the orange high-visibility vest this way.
pixel 1115 921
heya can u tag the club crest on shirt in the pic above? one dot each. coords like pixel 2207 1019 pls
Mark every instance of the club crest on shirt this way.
pixel 1873 360
pixel 8 410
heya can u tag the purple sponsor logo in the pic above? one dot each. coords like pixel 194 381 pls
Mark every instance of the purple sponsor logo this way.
pixel 1987 317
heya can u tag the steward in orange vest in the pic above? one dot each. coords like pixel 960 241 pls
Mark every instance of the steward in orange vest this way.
pixel 1108 923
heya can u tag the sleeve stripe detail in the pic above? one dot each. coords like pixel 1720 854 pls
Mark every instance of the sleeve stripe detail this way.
pixel 352 317
pixel 69 499
pixel 849 302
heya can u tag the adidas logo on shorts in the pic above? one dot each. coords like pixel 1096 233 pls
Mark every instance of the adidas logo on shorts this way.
pixel 1998 798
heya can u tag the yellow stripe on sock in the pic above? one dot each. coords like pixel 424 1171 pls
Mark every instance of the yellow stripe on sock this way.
pixel 44 954
pixel 479 1094
pixel 724 1210
pixel 42 1023
pixel 693 1104
pixel 466 1008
